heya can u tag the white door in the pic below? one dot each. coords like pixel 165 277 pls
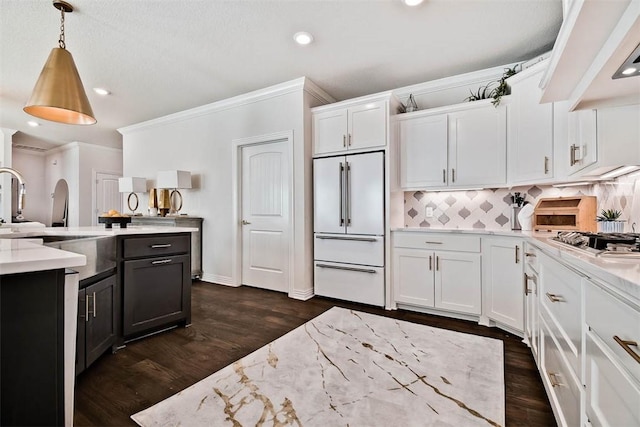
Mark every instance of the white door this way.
pixel 328 195
pixel 265 215
pixel 364 193
pixel 478 146
pixel 457 282
pixel 107 195
pixel 423 152
pixel 503 277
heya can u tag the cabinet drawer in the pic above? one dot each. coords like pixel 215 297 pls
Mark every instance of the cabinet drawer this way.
pixel 155 246
pixel 612 397
pixel 609 317
pixel 350 282
pixel 561 300
pixel 419 240
pixel 564 392
pixel 367 250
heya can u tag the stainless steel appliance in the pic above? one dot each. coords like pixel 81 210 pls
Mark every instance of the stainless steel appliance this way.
pixel 349 227
pixel 615 245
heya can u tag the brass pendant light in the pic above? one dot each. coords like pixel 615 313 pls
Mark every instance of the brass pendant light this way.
pixel 59 95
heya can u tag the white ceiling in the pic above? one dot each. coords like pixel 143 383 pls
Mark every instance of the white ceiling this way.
pixel 159 57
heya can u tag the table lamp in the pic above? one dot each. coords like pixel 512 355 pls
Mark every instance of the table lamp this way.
pixel 132 186
pixel 174 180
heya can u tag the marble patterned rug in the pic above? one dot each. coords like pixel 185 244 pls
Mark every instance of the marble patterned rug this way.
pixel 348 368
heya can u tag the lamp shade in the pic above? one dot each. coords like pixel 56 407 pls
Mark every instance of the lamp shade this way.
pixel 174 179
pixel 130 184
pixel 59 95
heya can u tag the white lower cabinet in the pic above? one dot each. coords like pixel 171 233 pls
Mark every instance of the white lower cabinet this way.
pixel 446 280
pixel 503 289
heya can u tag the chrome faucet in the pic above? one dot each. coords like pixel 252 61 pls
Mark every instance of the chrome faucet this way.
pixel 22 190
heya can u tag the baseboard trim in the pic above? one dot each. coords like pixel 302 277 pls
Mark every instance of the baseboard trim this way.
pixel 302 295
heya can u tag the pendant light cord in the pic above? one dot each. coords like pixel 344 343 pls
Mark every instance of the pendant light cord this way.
pixel 61 40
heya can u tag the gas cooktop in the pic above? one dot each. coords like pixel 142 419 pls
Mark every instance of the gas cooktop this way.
pixel 620 245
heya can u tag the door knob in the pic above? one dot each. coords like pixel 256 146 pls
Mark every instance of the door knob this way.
pixel 245 222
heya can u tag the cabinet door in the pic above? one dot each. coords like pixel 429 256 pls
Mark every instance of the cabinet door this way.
pixel 612 397
pixel 364 188
pixel 100 321
pixel 80 335
pixel 367 126
pixel 330 131
pixel 478 147
pixel 328 195
pixel 530 133
pixel 157 293
pixel 457 282
pixel 503 282
pixel 423 152
pixel 413 277
pixel 582 139
pixel 531 311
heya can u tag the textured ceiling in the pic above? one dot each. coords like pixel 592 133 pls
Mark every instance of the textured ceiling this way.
pixel 159 57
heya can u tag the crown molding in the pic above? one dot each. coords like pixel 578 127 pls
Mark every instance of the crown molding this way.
pixel 226 104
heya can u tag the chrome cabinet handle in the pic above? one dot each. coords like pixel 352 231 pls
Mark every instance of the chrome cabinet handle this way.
pixel 245 222
pixel 526 284
pixel 341 194
pixel 444 176
pixel 357 239
pixel 429 242
pixel 453 175
pixel 554 297
pixel 164 245
pixel 95 310
pixel 349 144
pixel 530 254
pixel 162 261
pixel 437 263
pixel 546 165
pixel 430 263
pixel 572 155
pixel 517 254
pixel 338 267
pixel 86 308
pixel 348 193
pixel 626 345
pixel 344 140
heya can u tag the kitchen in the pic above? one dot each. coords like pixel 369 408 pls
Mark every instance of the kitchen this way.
pixel 265 113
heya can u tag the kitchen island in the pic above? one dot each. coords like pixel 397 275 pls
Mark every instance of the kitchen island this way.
pixel 44 312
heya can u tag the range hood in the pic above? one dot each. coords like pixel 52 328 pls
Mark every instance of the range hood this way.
pixel 595 39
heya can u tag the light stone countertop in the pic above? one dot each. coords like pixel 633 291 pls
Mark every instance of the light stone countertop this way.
pixel 19 255
pixel 621 275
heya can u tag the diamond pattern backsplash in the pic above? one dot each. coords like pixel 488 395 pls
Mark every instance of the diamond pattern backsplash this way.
pixel 491 209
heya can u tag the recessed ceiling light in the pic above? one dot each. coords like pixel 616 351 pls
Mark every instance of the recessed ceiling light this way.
pixel 101 91
pixel 629 70
pixel 629 67
pixel 33 124
pixel 303 38
pixel 412 2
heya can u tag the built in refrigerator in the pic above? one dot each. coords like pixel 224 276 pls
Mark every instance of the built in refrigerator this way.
pixel 349 227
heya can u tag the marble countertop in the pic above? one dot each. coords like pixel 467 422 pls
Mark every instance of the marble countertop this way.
pixel 621 274
pixel 20 255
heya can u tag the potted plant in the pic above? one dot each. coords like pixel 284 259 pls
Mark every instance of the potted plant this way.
pixel 610 222
pixel 487 91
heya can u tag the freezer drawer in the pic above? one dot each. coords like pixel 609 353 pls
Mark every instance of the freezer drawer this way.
pixel 357 283
pixel 350 249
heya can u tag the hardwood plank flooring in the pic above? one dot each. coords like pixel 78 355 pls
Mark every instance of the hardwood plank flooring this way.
pixel 229 323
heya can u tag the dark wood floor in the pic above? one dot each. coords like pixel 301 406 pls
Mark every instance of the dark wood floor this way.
pixel 228 323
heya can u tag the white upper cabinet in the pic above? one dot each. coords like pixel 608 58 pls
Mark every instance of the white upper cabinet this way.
pixel 458 146
pixel 423 151
pixel 530 129
pixel 353 127
pixel 583 146
pixel 478 146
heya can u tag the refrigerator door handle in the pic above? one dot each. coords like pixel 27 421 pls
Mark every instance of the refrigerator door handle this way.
pixel 339 267
pixel 341 195
pixel 355 239
pixel 348 193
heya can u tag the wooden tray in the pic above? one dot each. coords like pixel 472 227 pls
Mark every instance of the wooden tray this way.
pixel 108 221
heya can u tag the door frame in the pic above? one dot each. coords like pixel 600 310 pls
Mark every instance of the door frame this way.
pixel 236 226
pixel 94 192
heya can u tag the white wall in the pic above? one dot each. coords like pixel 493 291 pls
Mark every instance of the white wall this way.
pixel 31 164
pixel 200 141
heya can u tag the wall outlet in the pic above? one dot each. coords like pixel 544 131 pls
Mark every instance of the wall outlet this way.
pixel 428 212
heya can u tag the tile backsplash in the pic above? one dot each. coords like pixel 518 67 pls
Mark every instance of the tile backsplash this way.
pixel 491 208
